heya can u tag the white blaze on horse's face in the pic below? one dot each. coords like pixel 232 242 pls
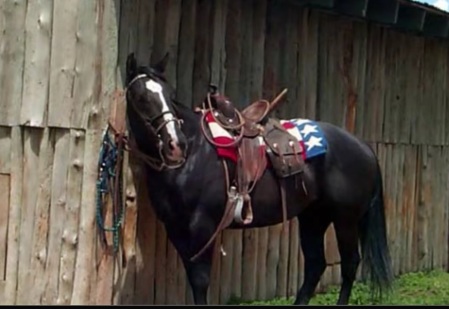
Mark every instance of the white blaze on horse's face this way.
pixel 167 115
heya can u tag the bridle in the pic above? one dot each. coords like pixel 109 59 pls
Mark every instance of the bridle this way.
pixel 156 163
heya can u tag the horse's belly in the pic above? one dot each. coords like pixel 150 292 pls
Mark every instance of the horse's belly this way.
pixel 266 202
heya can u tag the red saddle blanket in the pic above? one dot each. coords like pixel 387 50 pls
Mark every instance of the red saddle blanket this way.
pixel 223 137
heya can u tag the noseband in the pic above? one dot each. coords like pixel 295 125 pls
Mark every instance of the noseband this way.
pixel 161 163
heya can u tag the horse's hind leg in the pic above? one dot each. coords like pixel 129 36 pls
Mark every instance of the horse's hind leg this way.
pixel 313 223
pixel 347 238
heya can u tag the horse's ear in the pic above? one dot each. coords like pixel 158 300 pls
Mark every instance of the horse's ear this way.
pixel 131 67
pixel 162 64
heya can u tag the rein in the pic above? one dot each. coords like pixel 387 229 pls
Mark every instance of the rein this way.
pixel 110 181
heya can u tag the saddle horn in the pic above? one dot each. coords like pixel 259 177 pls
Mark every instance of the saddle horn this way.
pixel 213 89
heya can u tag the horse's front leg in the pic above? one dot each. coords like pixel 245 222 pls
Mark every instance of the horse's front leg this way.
pixel 198 273
pixel 188 241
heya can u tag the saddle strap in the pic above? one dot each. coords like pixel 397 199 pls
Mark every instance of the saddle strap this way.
pixel 284 203
pixel 225 220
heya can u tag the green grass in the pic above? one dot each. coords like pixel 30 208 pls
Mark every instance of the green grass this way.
pixel 421 288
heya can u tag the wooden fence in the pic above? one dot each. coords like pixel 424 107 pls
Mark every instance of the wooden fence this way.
pixel 61 64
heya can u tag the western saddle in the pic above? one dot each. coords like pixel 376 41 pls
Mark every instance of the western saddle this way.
pixel 257 135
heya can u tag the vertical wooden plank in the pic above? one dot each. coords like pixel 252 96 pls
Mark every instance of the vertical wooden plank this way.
pixel 218 51
pixel 5 150
pixel 394 172
pixel 400 85
pixel 324 109
pixel 72 212
pixel 57 216
pixel 85 29
pixel 393 65
pixel 161 264
pixel 289 62
pixel 413 95
pixel 446 110
pixel 35 285
pixel 186 53
pixel 400 214
pixel 146 246
pixel 36 76
pixel 258 48
pixel 182 280
pixel 271 74
pixel 143 37
pixel 308 62
pixel 262 248
pixel 249 264
pixel 236 287
pixel 446 208
pixel 203 52
pixel 105 85
pixel 12 54
pixel 426 84
pixel 233 48
pixel 416 232
pixel 62 64
pixel 124 293
pixel 433 81
pixel 14 222
pixel 172 274
pixel 422 218
pixel 226 265
pixel 374 84
pixel 409 202
pixel 166 33
pixel 438 234
pixel 332 253
pixel 294 248
pixel 135 33
pixel 85 273
pixel 331 259
pixel 5 184
pixel 359 70
pixel 246 73
pixel 272 260
pixel 32 141
pixel 214 288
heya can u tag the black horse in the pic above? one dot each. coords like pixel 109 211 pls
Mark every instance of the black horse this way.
pixel 187 190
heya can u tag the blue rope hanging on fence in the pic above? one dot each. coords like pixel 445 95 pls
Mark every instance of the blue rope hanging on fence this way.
pixel 110 182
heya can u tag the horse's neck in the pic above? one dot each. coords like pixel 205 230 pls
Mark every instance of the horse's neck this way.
pixel 191 121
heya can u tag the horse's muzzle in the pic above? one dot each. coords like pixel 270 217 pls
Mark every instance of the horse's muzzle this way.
pixel 177 151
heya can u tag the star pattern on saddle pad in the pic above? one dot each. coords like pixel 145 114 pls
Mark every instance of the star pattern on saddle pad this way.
pixel 313 142
pixel 312 136
pixel 308 128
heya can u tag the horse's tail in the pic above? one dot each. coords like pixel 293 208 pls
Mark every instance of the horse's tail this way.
pixel 376 262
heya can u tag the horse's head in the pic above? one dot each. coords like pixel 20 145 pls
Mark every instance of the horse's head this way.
pixel 150 98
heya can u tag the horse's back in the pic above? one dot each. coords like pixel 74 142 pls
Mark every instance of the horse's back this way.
pixel 350 167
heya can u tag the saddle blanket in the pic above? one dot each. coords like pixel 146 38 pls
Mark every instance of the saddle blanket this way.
pixel 308 133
